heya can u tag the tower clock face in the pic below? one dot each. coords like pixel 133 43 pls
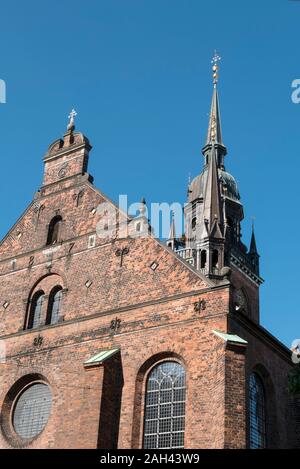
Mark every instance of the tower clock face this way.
pixel 62 170
pixel 240 301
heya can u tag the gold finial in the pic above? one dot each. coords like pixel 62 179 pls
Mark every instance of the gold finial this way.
pixel 213 129
pixel 216 58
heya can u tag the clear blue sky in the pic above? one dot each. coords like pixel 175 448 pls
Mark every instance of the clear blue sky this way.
pixel 138 73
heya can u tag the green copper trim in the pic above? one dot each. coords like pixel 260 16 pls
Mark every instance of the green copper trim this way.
pixel 101 357
pixel 230 337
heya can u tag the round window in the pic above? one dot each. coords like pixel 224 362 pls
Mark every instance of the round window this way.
pixel 32 410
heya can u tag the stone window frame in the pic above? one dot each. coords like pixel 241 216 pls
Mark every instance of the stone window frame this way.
pixel 261 433
pixel 38 296
pixel 140 392
pixel 52 300
pixel 46 299
pixel 171 402
pixel 9 404
pixel 271 417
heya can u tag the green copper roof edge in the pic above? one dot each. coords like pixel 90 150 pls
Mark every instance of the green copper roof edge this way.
pixel 101 356
pixel 230 337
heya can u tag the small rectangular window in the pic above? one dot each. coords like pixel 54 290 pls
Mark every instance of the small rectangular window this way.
pixel 92 241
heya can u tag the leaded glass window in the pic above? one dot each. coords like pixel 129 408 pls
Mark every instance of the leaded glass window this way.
pixel 36 310
pixel 257 413
pixel 32 410
pixel 54 306
pixel 164 421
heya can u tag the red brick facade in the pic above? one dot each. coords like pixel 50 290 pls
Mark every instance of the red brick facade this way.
pixel 157 318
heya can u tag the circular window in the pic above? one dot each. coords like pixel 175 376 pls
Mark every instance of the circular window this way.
pixel 32 410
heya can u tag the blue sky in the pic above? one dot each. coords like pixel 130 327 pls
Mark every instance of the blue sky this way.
pixel 138 74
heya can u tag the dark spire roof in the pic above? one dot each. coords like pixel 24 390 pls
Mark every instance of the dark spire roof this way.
pixel 253 248
pixel 212 211
pixel 214 133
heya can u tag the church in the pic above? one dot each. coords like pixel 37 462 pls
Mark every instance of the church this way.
pixel 126 341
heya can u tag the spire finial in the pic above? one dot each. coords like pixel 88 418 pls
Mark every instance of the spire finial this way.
pixel 216 58
pixel 214 134
pixel 71 116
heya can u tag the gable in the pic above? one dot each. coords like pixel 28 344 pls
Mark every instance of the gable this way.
pixel 76 207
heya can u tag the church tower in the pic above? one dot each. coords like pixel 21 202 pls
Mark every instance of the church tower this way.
pixel 111 339
pixel 214 212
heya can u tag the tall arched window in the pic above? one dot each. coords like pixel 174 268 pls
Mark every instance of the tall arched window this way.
pixel 36 310
pixel 53 230
pixel 203 259
pixel 215 258
pixel 257 413
pixel 164 420
pixel 54 305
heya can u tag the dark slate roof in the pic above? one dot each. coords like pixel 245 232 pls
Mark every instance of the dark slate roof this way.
pixel 198 184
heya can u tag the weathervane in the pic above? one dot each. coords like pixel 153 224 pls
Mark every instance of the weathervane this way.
pixel 216 58
pixel 71 116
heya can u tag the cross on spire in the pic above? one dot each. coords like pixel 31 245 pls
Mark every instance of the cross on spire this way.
pixel 214 135
pixel 216 58
pixel 71 116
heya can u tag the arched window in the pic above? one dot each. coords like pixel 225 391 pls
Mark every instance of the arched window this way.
pixel 36 310
pixel 257 413
pixel 53 230
pixel 164 420
pixel 215 258
pixel 54 305
pixel 203 259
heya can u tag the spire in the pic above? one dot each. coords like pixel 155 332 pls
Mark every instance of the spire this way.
pixel 172 242
pixel 253 248
pixel 143 207
pixel 214 134
pixel 253 254
pixel 172 234
pixel 212 211
pixel 140 224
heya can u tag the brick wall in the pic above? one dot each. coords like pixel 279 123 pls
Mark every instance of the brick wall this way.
pixel 103 406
